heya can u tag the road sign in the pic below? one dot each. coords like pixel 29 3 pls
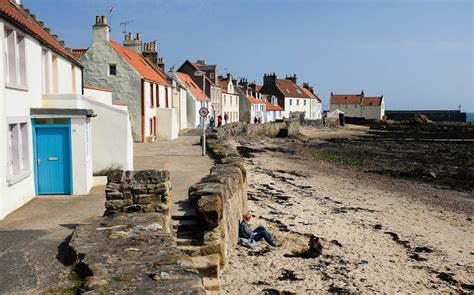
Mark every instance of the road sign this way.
pixel 203 112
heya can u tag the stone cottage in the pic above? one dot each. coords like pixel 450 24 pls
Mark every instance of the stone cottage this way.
pixel 359 105
pixel 133 79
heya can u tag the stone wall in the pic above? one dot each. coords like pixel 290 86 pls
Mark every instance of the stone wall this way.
pixel 142 191
pixel 281 129
pixel 220 199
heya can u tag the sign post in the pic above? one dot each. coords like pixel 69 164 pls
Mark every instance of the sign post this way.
pixel 203 112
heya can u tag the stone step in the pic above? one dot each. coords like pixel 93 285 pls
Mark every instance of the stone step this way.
pixel 212 285
pixel 191 235
pixel 184 222
pixel 187 228
pixel 208 265
pixel 184 217
pixel 191 250
pixel 184 241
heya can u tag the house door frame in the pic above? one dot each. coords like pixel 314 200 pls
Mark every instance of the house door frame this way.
pixel 35 126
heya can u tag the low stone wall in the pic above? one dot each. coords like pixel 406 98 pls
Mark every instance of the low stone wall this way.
pixel 131 248
pixel 143 191
pixel 220 199
pixel 281 129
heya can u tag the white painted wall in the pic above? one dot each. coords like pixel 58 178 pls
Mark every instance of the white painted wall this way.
pixel 167 124
pixel 230 105
pixel 297 105
pixel 101 96
pixel 15 104
pixel 81 139
pixel 373 112
pixel 183 117
pixel 350 110
pixel 111 131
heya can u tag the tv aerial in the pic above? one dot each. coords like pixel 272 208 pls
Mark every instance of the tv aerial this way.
pixel 124 24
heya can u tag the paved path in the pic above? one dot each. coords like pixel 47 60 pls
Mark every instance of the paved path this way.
pixel 31 241
pixel 183 158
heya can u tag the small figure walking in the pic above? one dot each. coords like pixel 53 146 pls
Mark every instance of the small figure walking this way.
pixel 211 122
pixel 226 118
pixel 219 121
pixel 255 120
pixel 259 120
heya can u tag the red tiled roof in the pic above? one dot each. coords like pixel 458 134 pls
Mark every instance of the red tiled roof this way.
pixel 21 18
pixel 192 86
pixel 223 85
pixel 253 100
pixel 140 64
pixel 271 107
pixel 288 88
pixel 310 94
pixel 372 101
pixel 97 88
pixel 79 52
pixel 118 103
pixel 258 87
pixel 346 98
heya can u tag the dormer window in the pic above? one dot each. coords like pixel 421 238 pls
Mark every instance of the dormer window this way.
pixel 211 75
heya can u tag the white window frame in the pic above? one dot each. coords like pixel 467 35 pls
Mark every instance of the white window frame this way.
pixel 22 147
pixel 20 62
pixel 88 139
pixel 46 70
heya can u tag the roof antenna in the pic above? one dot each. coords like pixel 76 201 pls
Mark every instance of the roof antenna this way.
pixel 124 24
pixel 111 10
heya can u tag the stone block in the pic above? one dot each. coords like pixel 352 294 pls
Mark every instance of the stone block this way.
pixel 117 205
pixel 139 188
pixel 203 189
pixel 145 199
pixel 209 210
pixel 114 195
pixel 151 176
pixel 115 176
pixel 160 188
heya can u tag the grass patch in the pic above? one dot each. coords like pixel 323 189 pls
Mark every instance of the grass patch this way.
pixel 106 171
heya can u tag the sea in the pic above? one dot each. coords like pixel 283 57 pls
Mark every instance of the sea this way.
pixel 469 117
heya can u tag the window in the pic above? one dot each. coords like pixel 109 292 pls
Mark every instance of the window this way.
pixel 211 75
pixel 73 77
pixel 152 99
pixel 112 70
pixel 304 101
pixel 166 96
pixel 224 98
pixel 151 126
pixel 157 96
pixel 15 57
pixel 297 102
pixel 18 165
pixel 291 101
pixel 45 71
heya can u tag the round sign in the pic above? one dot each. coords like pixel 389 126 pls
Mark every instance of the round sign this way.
pixel 203 112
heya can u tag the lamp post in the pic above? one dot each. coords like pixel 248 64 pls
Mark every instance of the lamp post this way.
pixel 203 74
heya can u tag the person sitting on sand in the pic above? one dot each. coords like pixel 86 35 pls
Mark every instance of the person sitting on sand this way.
pixel 249 237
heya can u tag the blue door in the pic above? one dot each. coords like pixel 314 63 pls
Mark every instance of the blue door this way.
pixel 53 160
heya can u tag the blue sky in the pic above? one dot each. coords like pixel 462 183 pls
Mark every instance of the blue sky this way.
pixel 417 53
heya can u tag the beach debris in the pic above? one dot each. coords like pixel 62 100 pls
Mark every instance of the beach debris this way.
pixel 276 292
pixel 288 275
pixel 336 242
pixel 338 290
pixel 396 238
pixel 377 226
pixel 314 250
pixel 423 250
pixel 417 257
pixel 259 252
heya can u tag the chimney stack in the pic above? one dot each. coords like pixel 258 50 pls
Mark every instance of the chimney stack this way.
pixel 134 44
pixel 161 63
pixel 292 78
pixel 100 31
pixel 269 79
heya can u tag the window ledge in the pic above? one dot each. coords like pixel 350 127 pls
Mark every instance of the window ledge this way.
pixel 12 179
pixel 16 86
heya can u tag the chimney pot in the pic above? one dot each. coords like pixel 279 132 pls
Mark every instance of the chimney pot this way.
pixel 138 36
pixel 104 20
pixel 97 19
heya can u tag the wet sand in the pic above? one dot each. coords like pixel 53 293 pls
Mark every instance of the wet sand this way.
pixel 379 234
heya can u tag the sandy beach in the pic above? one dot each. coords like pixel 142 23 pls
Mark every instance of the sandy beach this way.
pixel 379 234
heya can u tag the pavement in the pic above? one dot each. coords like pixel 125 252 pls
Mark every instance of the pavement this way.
pixel 183 158
pixel 33 246
pixel 34 253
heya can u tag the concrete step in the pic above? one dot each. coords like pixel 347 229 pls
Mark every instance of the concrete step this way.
pixel 212 285
pixel 208 265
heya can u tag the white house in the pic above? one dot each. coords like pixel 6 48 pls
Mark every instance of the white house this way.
pixel 196 99
pixel 272 110
pixel 252 105
pixel 229 100
pixel 134 80
pixel 359 105
pixel 39 137
pixel 295 100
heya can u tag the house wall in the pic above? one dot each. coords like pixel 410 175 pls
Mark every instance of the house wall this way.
pixel 179 103
pixel 350 110
pixel 101 96
pixel 373 112
pixel 230 105
pixel 125 86
pixel 167 124
pixel 109 149
pixel 15 104
pixel 297 105
pixel 316 109
pixel 81 155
